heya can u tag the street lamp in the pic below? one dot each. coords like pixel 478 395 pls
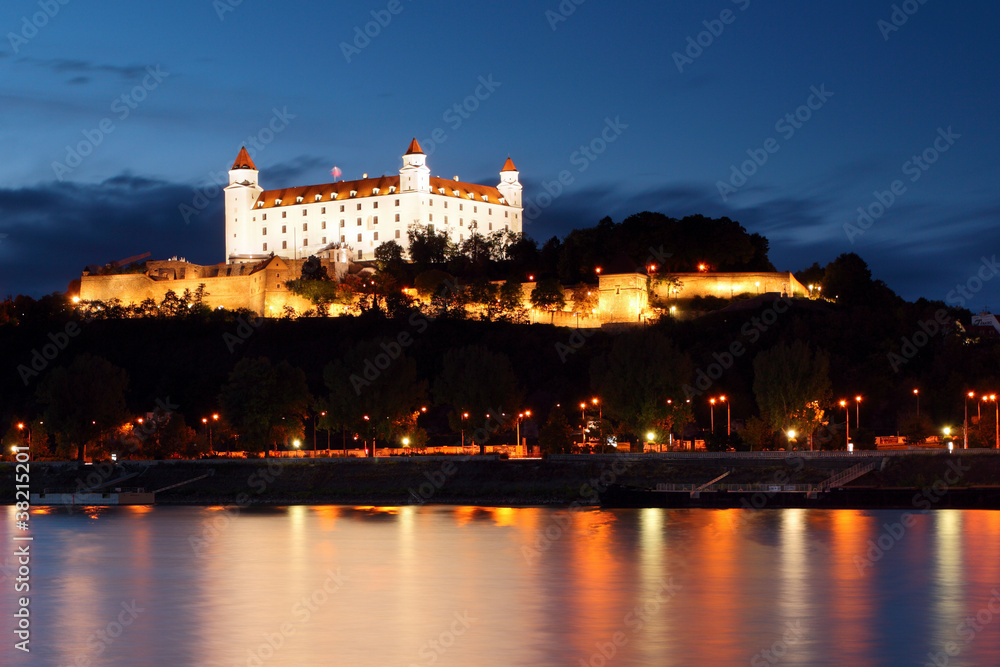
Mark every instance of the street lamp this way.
pixel 916 392
pixel 791 435
pixel 712 401
pixel 965 424
pixel 520 416
pixel 728 422
pixel 465 415
pixel 857 423
pixel 583 427
pixel 847 420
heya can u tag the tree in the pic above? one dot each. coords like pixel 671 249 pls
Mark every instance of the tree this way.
pixel 377 380
pixel 84 401
pixel 758 434
pixel 916 428
pixel 389 258
pixel 428 247
pixel 638 376
pixel 548 295
pixel 265 403
pixel 480 382
pixel 791 385
pixel 176 437
pixel 313 269
pixel 556 436
pixel 510 300
pixel 585 298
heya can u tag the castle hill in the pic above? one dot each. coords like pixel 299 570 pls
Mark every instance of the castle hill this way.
pixel 508 335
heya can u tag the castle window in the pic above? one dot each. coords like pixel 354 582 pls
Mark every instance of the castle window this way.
pixel 397 217
pixel 461 207
pixel 265 247
pixel 284 245
pixel 304 213
pixel 284 229
pixel 298 200
pixel 491 211
pixel 305 226
pixel 461 222
pixel 354 193
pixel 375 204
pixel 446 220
pixel 430 229
pixel 341 223
pixel 376 236
pixel 486 198
pixel 341 208
pixel 502 200
pixel 441 191
pixel 506 228
pixel 374 191
pixel 284 214
pixel 333 195
pixel 397 233
pixel 359 207
pixel 323 224
pixel 320 198
pixel 461 237
pixel 265 216
pixel 343 239
pixel 324 240
pixel 506 214
pixel 375 220
pixel 361 254
pixel 392 190
pixel 430 217
pixel 323 211
pixel 277 202
pixel 491 226
pixel 359 222
pixel 397 201
pixel 446 204
pixel 359 238
pixel 475 209
pixel 265 231
pixel 431 203
pixel 455 192
pixel 305 242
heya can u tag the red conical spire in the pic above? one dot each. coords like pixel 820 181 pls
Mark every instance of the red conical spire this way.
pixel 414 148
pixel 508 166
pixel 243 160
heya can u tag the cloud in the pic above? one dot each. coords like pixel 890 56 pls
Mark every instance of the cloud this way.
pixel 67 65
pixel 54 230
pixel 305 168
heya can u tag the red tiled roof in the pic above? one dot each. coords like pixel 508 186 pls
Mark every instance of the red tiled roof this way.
pixel 366 188
pixel 414 148
pixel 243 160
pixel 508 166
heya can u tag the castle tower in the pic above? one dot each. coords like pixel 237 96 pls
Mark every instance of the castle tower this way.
pixel 415 176
pixel 241 194
pixel 509 186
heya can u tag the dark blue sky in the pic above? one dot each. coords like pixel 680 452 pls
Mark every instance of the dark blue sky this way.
pixel 220 80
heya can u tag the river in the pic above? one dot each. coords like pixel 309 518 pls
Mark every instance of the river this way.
pixel 472 586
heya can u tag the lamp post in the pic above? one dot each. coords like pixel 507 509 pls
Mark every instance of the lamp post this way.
pixel 583 427
pixel 965 424
pixel 857 423
pixel 847 420
pixel 916 392
pixel 204 420
pixel 600 418
pixel 465 415
pixel 22 427
pixel 712 410
pixel 520 416
pixel 791 436
pixel 728 421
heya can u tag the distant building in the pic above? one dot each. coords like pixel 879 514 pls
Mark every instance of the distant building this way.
pixel 360 215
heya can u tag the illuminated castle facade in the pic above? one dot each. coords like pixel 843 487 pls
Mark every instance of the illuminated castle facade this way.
pixel 358 216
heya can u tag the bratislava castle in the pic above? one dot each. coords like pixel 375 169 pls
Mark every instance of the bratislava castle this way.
pixel 360 215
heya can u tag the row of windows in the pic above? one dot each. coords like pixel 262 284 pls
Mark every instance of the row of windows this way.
pixel 461 207
pixel 343 239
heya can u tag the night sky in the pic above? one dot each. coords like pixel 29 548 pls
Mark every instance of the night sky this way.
pixel 211 74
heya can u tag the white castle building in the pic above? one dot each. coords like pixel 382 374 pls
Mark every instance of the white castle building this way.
pixel 360 215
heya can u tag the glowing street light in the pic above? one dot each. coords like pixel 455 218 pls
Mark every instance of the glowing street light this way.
pixel 916 392
pixel 857 423
pixel 965 423
pixel 712 401
pixel 296 444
